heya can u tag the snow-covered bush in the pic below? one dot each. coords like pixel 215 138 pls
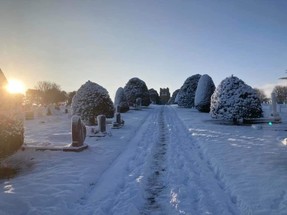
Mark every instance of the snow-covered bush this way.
pixel 186 93
pixel 172 98
pixel 11 134
pixel 234 100
pixel 203 93
pixel 136 88
pixel 90 101
pixel 121 100
pixel 154 97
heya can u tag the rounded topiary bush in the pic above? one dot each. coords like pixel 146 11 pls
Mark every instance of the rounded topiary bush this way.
pixel 233 100
pixel 154 97
pixel 204 91
pixel 121 100
pixel 11 135
pixel 186 93
pixel 90 101
pixel 136 88
pixel 172 99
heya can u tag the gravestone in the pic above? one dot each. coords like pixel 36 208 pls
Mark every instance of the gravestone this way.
pixel 274 112
pixel 118 109
pixel 102 123
pixel 78 132
pixel 138 103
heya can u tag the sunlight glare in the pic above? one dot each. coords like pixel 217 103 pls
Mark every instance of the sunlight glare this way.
pixel 16 86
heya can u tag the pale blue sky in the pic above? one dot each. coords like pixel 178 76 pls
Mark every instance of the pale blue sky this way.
pixel 161 42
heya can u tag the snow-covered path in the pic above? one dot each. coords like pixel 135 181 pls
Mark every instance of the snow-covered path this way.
pixel 164 160
pixel 162 171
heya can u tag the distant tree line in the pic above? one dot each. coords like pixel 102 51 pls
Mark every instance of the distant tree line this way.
pixel 46 92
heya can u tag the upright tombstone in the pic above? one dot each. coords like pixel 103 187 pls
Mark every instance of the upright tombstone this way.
pixel 78 132
pixel 274 112
pixel 102 123
pixel 118 118
pixel 118 123
pixel 138 103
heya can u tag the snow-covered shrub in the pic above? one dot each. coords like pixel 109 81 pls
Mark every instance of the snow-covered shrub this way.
pixel 203 93
pixel 11 134
pixel 136 88
pixel 90 101
pixel 186 93
pixel 121 100
pixel 172 99
pixel 234 100
pixel 154 97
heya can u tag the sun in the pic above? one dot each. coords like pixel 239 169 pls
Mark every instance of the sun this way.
pixel 15 86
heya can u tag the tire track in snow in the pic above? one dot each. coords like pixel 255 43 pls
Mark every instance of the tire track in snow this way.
pixel 155 184
pixel 120 189
pixel 194 187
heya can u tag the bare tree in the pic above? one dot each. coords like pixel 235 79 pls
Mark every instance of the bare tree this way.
pixel 50 92
pixel 261 95
pixel 281 94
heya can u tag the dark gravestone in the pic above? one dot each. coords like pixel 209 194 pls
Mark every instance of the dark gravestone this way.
pixel 118 121
pixel 78 132
pixel 118 109
pixel 118 118
pixel 138 103
pixel 102 123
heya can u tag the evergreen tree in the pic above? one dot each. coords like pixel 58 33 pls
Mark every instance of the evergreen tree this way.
pixel 172 99
pixel 90 101
pixel 204 91
pixel 154 97
pixel 186 93
pixel 136 88
pixel 234 100
pixel 121 100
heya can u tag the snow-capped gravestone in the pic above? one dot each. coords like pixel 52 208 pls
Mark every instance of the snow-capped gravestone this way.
pixel 78 132
pixel 90 101
pixel 121 101
pixel 203 93
pixel 233 100
pixel 186 93
pixel 78 135
pixel 136 88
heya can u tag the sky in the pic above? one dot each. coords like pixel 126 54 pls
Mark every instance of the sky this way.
pixel 162 42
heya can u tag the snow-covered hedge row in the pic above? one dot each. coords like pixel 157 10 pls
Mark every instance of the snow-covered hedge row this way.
pixel 90 101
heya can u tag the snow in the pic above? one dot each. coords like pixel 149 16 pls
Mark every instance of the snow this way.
pixel 164 160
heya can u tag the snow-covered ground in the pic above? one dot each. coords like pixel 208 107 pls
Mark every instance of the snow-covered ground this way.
pixel 164 160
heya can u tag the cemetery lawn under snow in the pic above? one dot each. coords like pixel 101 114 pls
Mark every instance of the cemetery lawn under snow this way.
pixel 164 160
